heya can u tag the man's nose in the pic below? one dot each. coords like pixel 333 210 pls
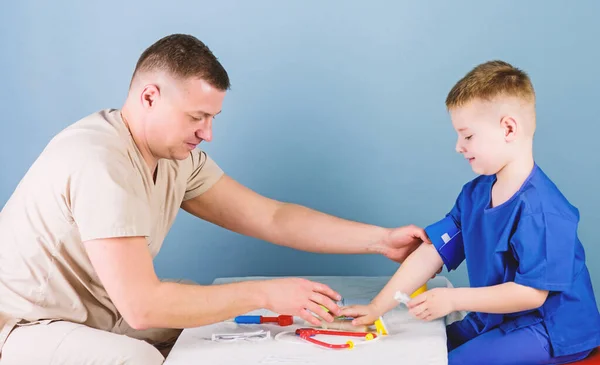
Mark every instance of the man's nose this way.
pixel 205 132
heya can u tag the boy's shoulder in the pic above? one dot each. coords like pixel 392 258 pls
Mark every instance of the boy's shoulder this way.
pixel 538 194
pixel 480 184
pixel 541 195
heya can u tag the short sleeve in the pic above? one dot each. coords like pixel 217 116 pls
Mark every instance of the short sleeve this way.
pixel 107 199
pixel 446 236
pixel 456 211
pixel 545 248
pixel 204 174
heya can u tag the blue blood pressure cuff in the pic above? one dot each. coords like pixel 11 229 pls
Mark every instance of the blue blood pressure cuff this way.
pixel 447 238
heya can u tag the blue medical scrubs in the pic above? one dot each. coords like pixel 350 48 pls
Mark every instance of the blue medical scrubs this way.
pixel 531 240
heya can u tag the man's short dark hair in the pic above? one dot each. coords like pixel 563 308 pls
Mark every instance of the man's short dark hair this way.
pixel 184 56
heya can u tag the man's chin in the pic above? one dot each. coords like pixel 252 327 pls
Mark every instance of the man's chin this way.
pixel 181 155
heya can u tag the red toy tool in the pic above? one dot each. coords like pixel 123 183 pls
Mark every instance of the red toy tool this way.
pixel 282 320
pixel 308 333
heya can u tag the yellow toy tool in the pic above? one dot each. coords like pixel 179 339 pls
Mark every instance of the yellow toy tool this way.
pixel 380 327
pixel 421 290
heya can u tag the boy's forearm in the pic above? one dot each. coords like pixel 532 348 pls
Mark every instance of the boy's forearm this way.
pixel 416 270
pixel 503 298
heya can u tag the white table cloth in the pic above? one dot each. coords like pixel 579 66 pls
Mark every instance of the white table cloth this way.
pixel 410 341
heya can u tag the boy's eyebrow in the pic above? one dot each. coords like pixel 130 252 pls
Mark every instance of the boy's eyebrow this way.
pixel 463 129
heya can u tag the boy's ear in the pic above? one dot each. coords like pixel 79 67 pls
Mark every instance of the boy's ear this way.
pixel 509 127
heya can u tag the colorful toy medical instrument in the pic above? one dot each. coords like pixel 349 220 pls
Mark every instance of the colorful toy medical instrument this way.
pixel 380 327
pixel 404 298
pixel 421 290
pixel 246 336
pixel 308 334
pixel 282 320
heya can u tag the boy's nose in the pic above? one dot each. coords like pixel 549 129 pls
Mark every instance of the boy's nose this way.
pixel 459 148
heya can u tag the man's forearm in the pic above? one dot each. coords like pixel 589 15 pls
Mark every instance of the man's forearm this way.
pixel 413 273
pixel 503 298
pixel 308 230
pixel 174 305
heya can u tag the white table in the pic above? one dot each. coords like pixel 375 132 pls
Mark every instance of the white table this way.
pixel 410 341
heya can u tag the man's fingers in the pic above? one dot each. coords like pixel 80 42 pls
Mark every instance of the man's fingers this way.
pixel 307 316
pixel 319 311
pixel 326 302
pixel 420 233
pixel 324 289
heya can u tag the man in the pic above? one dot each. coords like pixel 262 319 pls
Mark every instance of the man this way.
pixel 78 235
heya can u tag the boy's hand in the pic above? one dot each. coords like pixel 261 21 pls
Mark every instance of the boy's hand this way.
pixel 432 304
pixel 364 315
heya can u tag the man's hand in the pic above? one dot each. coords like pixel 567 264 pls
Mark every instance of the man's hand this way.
pixel 295 296
pixel 398 243
pixel 432 304
pixel 364 315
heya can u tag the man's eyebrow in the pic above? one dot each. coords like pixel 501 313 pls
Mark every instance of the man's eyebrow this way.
pixel 205 113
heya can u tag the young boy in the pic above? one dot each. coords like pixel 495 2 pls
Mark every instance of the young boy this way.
pixel 531 299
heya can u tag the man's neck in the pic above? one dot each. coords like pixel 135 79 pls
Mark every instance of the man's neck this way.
pixel 138 138
pixel 510 179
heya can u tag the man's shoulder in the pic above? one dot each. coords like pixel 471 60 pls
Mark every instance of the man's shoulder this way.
pixel 95 129
pixel 96 137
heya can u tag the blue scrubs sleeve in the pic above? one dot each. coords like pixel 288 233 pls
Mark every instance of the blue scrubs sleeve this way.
pixel 545 247
pixel 446 236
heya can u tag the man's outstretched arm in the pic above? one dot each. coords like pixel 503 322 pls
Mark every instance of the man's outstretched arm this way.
pixel 125 268
pixel 239 209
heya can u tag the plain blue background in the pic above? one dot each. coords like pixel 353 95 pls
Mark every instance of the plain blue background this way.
pixel 336 105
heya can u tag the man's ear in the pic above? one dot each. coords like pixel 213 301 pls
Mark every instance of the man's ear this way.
pixel 149 95
pixel 510 128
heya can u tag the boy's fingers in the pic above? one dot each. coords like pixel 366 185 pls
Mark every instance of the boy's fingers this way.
pixel 419 299
pixel 417 310
pixel 362 321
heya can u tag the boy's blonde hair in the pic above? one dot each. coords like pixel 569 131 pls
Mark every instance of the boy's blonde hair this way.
pixel 489 80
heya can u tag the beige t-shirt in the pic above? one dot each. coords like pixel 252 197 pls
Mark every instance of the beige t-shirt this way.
pixel 90 182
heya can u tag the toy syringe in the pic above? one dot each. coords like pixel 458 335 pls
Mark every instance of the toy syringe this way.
pixel 282 320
